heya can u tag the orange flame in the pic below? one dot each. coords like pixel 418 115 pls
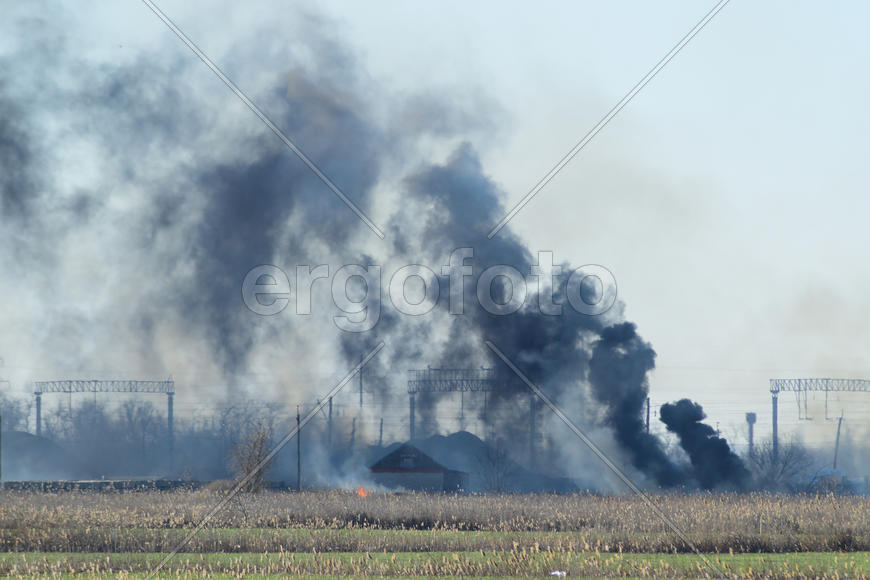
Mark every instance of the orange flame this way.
pixel 361 492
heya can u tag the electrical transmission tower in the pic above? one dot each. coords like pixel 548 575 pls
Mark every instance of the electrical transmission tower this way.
pixel 142 387
pixel 801 387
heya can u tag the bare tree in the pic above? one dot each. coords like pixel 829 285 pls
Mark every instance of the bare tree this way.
pixel 237 419
pixel 790 470
pixel 141 428
pixel 15 413
pixel 497 466
pixel 249 453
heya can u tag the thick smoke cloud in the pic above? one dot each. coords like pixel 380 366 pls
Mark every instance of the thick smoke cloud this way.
pixel 175 200
pixel 141 193
pixel 714 464
pixel 618 376
pixel 18 185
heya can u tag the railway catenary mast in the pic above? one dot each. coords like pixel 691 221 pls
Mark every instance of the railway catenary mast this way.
pixel 480 380
pixel 166 387
pixel 431 380
pixel 803 386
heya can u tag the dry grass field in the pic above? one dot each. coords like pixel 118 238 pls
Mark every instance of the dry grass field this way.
pixel 341 533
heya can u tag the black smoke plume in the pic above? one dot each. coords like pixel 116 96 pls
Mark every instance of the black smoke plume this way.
pixel 618 376
pixel 139 193
pixel 714 464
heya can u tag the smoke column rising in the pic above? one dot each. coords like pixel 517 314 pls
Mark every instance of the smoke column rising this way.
pixel 618 375
pixel 142 192
pixel 714 464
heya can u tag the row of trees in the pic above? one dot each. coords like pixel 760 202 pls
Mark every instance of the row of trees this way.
pixel 15 412
pixel 130 439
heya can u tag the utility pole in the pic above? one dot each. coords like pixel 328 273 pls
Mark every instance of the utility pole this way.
pixel 171 430
pixel 532 410
pixel 775 400
pixel 298 453
pixel 381 434
pixel 329 426
pixel 361 358
pixel 837 444
pixel 411 415
pixel 352 433
pixel 647 414
pixel 38 414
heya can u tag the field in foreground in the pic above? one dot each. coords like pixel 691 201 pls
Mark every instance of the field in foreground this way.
pixel 478 564
pixel 340 533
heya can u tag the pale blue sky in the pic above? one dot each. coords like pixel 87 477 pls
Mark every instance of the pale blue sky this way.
pixel 728 198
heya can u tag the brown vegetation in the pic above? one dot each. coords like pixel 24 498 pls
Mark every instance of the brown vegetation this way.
pixel 153 521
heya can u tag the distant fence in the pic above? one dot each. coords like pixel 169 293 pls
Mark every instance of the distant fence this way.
pixel 123 485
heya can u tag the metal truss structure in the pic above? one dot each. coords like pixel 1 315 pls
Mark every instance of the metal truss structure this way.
pixel 166 387
pixel 826 385
pixel 451 380
pixel 463 381
pixel 801 387
pixel 482 380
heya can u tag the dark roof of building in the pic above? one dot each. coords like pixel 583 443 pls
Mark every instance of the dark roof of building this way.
pixel 408 458
pixel 466 453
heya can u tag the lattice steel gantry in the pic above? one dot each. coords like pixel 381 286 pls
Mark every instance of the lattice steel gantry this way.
pixel 431 380
pixel 480 380
pixel 805 385
pixel 166 387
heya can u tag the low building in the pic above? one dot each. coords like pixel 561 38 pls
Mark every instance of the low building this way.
pixel 409 468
